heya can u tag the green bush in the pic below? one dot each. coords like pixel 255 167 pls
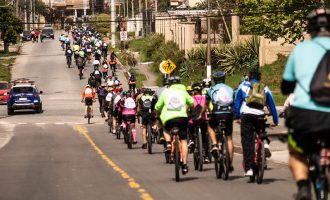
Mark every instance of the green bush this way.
pixel 102 27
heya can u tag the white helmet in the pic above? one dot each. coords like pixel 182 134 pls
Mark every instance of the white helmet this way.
pixel 96 62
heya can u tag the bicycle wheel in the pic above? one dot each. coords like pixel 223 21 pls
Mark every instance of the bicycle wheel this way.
pixel 149 134
pixel 177 159
pixel 261 162
pixel 129 137
pixel 226 158
pixel 195 155
pixel 118 132
pixel 200 149
pixel 110 123
pixel 89 114
pixel 321 186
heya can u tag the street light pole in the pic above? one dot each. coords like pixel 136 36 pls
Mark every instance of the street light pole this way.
pixel 113 24
pixel 208 61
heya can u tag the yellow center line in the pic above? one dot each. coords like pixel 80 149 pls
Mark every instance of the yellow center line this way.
pixel 131 182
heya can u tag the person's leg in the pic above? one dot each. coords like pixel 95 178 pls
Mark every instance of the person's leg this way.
pixel 247 139
pixel 229 134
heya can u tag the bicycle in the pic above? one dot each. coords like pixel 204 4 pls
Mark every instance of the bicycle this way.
pixel 176 152
pixel 128 135
pixel 69 61
pixel 222 160
pixel 81 72
pixel 89 113
pixel 110 121
pixel 151 136
pixel 198 149
pixel 259 163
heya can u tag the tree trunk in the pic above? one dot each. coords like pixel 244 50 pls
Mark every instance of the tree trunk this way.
pixel 5 47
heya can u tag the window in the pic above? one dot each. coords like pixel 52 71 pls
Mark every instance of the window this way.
pixel 23 89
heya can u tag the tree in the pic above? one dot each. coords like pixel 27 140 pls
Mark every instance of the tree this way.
pixel 103 24
pixel 10 26
pixel 275 19
pixel 41 8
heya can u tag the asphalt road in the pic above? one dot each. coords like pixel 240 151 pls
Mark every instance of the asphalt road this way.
pixel 56 155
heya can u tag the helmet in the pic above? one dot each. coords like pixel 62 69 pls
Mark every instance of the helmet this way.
pixel 125 93
pixel 96 62
pixel 189 88
pixel 174 79
pixel 103 85
pixel 206 82
pixel 254 73
pixel 88 85
pixel 318 20
pixel 147 91
pixel 219 77
pixel 128 94
pixel 196 86
pixel 166 82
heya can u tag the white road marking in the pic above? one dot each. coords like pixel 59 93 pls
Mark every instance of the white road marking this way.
pixel 59 123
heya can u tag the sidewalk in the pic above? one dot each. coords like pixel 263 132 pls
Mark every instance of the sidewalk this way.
pixel 143 68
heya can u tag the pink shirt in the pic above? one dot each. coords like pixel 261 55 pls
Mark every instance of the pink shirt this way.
pixel 198 99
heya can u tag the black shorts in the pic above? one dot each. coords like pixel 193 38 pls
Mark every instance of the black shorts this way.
pixel 130 118
pixel 146 117
pixel 106 106
pixel 181 123
pixel 88 101
pixel 228 117
pixel 306 127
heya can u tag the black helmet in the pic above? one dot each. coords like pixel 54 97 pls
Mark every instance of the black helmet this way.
pixel 128 94
pixel 219 77
pixel 174 80
pixel 196 86
pixel 318 19
pixel 147 91
pixel 254 73
pixel 165 82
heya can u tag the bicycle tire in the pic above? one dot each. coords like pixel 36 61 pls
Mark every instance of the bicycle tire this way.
pixel 149 133
pixel 177 159
pixel 118 132
pixel 226 158
pixel 110 123
pixel 129 137
pixel 321 188
pixel 88 115
pixel 167 157
pixel 261 162
pixel 200 150
pixel 217 167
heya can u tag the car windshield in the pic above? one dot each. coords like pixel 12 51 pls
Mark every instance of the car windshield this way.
pixel 3 86
pixel 47 31
pixel 23 89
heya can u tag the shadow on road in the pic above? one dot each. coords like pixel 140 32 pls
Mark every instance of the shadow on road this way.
pixel 184 179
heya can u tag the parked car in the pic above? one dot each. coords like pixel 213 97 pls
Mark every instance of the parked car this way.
pixel 4 90
pixel 47 33
pixel 26 36
pixel 23 95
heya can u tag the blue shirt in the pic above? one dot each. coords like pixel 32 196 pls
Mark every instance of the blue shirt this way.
pixel 224 90
pixel 240 106
pixel 301 66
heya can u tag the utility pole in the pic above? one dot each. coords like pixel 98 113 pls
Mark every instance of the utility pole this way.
pixel 132 8
pixel 33 12
pixel 25 16
pixel 113 24
pixel 92 7
pixel 146 19
pixel 208 61
pixel 127 9
pixel 156 5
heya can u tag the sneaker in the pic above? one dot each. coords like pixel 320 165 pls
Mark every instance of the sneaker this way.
pixel 185 169
pixel 206 160
pixel 144 146
pixel 161 140
pixel 85 116
pixel 249 173
pixel 231 169
pixel 168 148
pixel 190 144
pixel 214 150
pixel 134 142
pixel 268 154
pixel 304 193
pixel 113 131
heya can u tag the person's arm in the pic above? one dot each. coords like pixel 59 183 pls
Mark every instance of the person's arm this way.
pixel 271 104
pixel 289 81
pixel 238 103
pixel 160 103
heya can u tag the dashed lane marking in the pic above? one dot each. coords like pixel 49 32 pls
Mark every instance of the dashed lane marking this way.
pixel 132 183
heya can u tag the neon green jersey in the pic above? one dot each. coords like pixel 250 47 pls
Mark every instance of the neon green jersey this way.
pixel 173 103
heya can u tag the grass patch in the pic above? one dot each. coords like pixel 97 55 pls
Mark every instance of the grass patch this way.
pixel 3 54
pixel 5 68
pixel 139 77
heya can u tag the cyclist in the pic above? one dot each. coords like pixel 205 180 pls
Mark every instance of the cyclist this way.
pixel 107 103
pixel 308 121
pixel 97 54
pixel 104 69
pixel 116 81
pixel 62 40
pixel 104 50
pixel 92 81
pixel 101 94
pixel 67 41
pixel 132 83
pixel 172 105
pixel 113 63
pixel 144 104
pixel 88 96
pixel 197 116
pixel 68 54
pixel 80 62
pixel 206 85
pixel 115 99
pixel 250 101
pixel 97 74
pixel 128 106
pixel 221 97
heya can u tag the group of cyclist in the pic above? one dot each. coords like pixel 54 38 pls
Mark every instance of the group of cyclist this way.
pixel 205 104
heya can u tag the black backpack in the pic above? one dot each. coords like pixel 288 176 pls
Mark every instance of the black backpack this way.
pixel 320 84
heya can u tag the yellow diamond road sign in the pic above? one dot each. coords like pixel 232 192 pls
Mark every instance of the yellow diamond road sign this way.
pixel 168 66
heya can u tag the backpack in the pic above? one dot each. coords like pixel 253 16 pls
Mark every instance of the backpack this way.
pixel 132 78
pixel 97 74
pixel 194 113
pixel 101 92
pixel 320 84
pixel 129 103
pixel 221 99
pixel 256 97
pixel 146 102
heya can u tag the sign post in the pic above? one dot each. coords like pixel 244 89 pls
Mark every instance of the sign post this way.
pixel 123 37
